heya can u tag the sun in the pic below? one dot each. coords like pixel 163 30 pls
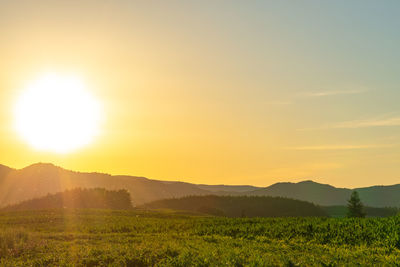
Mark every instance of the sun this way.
pixel 56 113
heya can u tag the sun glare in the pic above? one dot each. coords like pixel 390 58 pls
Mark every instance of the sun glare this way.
pixel 56 113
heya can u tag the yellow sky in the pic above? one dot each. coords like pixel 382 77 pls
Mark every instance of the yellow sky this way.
pixel 213 92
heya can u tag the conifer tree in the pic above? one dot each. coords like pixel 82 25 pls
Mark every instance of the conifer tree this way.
pixel 355 208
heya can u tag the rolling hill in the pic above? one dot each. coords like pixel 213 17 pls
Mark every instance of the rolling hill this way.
pixel 321 194
pixel 240 206
pixel 327 195
pixel 40 179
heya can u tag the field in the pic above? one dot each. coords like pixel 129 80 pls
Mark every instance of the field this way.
pixel 139 238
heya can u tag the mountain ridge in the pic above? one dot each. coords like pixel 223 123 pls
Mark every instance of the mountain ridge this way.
pixel 40 179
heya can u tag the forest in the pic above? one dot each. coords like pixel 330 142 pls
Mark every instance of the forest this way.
pixel 240 206
pixel 78 198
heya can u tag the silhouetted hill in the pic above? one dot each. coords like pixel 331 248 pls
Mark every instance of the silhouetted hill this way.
pixel 321 194
pixel 240 206
pixel 327 195
pixel 41 179
pixel 4 171
pixel 380 196
pixel 96 198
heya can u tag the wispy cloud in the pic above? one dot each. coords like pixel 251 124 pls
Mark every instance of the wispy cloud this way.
pixel 333 93
pixel 388 120
pixel 317 94
pixel 392 121
pixel 340 147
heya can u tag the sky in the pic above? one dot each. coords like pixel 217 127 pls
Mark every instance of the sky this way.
pixel 217 92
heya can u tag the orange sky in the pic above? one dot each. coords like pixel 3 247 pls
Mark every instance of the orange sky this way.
pixel 234 93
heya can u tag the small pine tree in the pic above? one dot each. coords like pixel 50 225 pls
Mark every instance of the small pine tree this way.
pixel 355 208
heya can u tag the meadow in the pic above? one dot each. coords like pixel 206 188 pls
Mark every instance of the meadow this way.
pixel 151 238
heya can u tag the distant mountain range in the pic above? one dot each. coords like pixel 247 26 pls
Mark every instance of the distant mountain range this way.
pixel 40 179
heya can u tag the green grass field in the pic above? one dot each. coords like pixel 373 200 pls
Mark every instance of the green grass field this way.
pixel 138 238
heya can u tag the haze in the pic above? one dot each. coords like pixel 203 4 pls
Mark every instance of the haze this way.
pixel 231 92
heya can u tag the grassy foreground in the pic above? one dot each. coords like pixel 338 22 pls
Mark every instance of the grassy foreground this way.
pixel 133 238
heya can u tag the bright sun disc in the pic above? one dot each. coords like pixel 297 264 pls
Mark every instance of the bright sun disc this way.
pixel 57 114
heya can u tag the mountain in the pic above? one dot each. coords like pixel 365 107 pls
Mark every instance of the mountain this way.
pixel 240 206
pixel 4 171
pixel 40 179
pixel 380 196
pixel 327 195
pixel 310 191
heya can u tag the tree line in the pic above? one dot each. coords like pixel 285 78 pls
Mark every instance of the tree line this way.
pixel 78 198
pixel 240 206
pixel 229 206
